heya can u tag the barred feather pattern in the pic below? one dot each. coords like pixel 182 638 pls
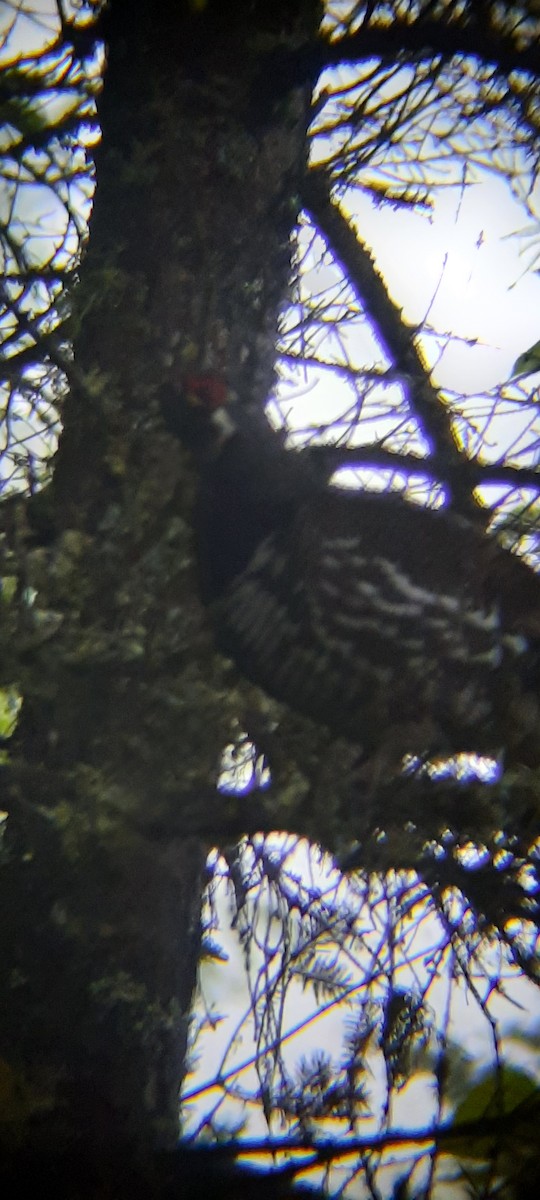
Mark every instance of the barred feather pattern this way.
pixel 369 614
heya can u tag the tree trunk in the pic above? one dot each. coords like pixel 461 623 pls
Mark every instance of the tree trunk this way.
pixel 126 706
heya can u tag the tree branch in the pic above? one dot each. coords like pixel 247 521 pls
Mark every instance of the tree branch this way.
pixel 329 459
pixel 425 39
pixel 395 334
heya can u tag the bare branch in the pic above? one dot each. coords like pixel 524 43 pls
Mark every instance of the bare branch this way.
pixel 395 334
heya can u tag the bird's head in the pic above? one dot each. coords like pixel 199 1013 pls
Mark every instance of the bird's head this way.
pixel 199 411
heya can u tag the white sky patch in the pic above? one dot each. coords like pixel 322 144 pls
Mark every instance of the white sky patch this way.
pixel 461 268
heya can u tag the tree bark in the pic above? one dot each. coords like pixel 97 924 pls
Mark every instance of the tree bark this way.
pixel 126 706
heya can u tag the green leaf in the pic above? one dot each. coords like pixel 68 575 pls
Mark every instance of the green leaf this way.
pixel 528 362
pixel 10 704
pixel 496 1094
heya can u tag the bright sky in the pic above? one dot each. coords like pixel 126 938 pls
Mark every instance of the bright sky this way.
pixel 465 267
pixel 464 270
